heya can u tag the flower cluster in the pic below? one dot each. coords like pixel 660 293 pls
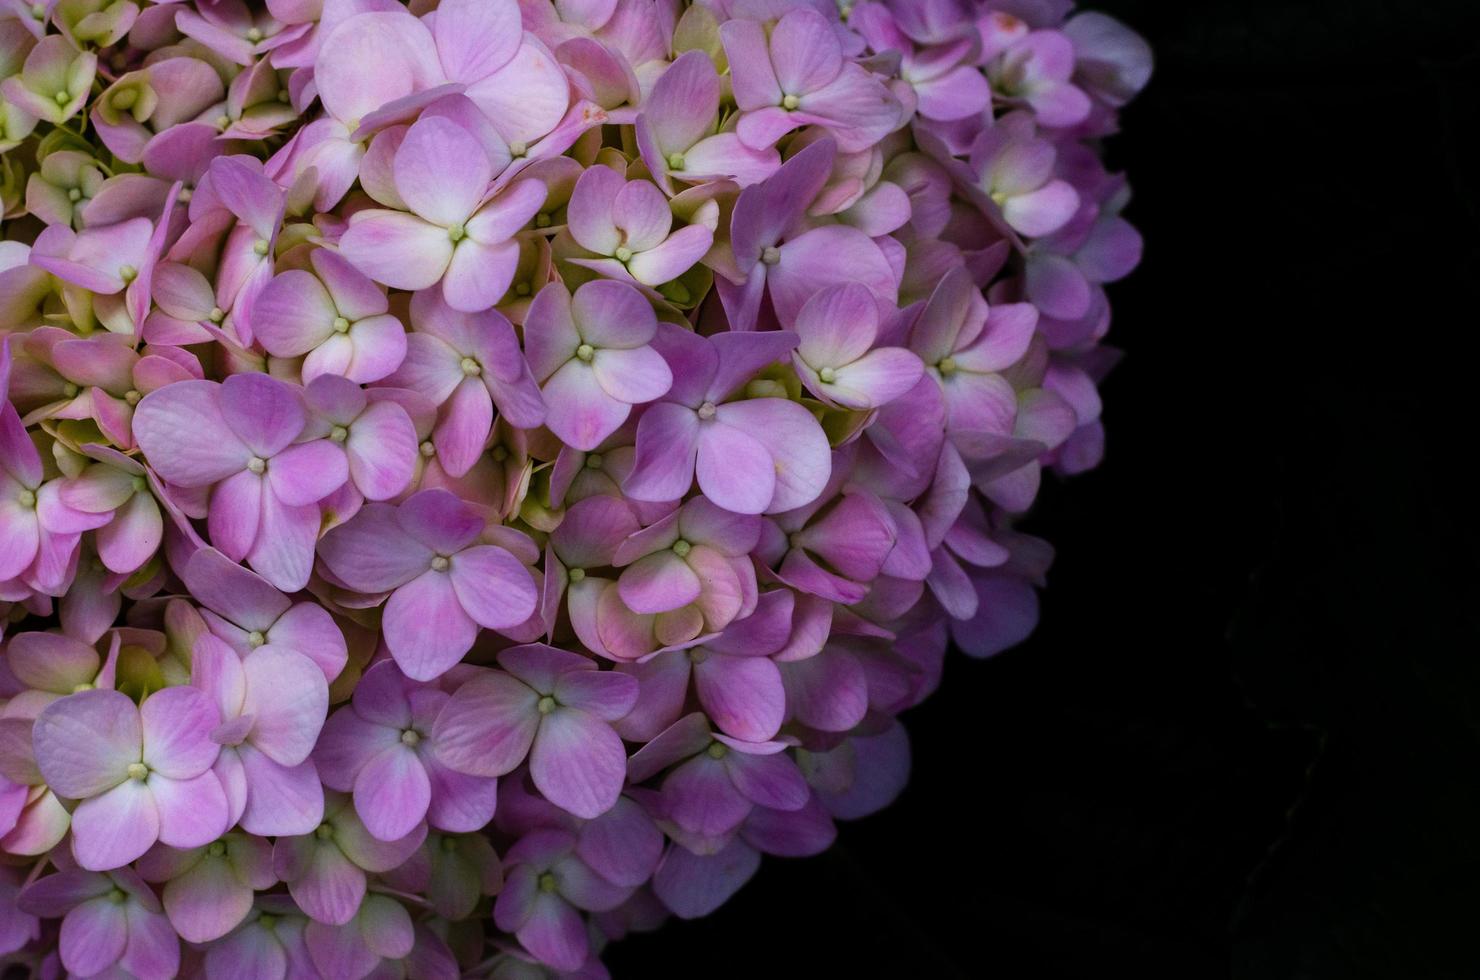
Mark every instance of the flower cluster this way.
pixel 475 476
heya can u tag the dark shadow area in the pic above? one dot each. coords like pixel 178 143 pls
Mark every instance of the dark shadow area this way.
pixel 1244 738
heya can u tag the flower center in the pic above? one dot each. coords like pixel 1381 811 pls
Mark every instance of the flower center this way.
pixel 132 397
pixel 577 574
pixel 254 34
pixel 38 11
pixel 675 161
pixel 63 98
pixel 456 233
pixel 681 548
pixel 717 750
pixel 84 686
pixel 410 737
pixel 522 289
pixel 449 844
pixel 546 705
pixel 139 483
pixel 828 375
pixel 427 449
pixel 341 325
pixel 70 390
pixel 117 896
pixel 74 194
pixel 771 255
pixel 765 388
pixel 186 193
pixel 216 315
pixel 594 461
pixel 707 410
pixel 257 464
pixel 324 831
pixel 256 638
pixel 791 102
pixel 216 849
pixel 260 246
pixel 499 453
pixel 547 882
pixel 947 365
pixel 585 352
pixel 222 121
pixel 137 770
pixel 623 253
pixel 267 921
pixel 517 150
pixel 470 367
pixel 128 273
pixel 543 220
pixel 26 498
pixel 339 433
pixel 440 563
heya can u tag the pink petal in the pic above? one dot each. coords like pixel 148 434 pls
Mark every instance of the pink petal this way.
pixel 382 450
pixel 492 587
pixel 110 830
pixel 580 411
pixel 308 472
pixel 93 936
pixel 659 582
pixel 798 447
pixel 667 446
pixel 487 727
pixel 441 172
pixel 192 812
pixel 283 553
pixel 392 793
pixel 577 763
pixel 693 886
pixel 281 801
pixel 475 38
pixel 85 743
pixel 183 433
pixel 372 553
pixel 265 413
pixel 426 628
pixel 744 695
pixel 479 275
pixel 176 724
pixel 397 249
pixel 734 469
pixel 288 696
pixel 208 901
pixel 671 259
pixel 467 419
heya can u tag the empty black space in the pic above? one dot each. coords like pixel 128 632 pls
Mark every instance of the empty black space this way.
pixel 1244 739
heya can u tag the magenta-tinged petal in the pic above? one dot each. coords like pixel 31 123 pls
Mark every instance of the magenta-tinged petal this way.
pixel 475 38
pixel 797 444
pixel 527 97
pixel 744 695
pixel 397 249
pixel 768 780
pixel 667 446
pixel 93 936
pixel 659 582
pixel 1043 211
pixel 754 80
pixel 192 812
pixel 606 694
pixel 208 901
pixel 293 314
pixel 441 172
pixel 183 433
pixel 487 727
pixel 133 536
pixel 281 801
pixel 805 52
pixel 825 256
pixel 110 830
pixel 555 933
pixel 591 221
pixel 176 725
pixel 235 515
pixel 284 550
pixel 828 692
pixel 734 469
pixel 308 472
pixel 467 419
pixel 425 626
pixel 492 587
pixel 581 412
pixel 308 629
pixel 392 793
pixel 479 274
pixel 288 696
pixel 397 45
pixel 675 256
pixel 837 325
pixel 372 553
pixel 153 948
pixel 327 886
pixel 51 661
pixel 265 413
pixel 460 803
pixel 85 743
pixel 700 797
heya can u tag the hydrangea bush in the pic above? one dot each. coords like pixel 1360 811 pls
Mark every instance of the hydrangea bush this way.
pixel 476 476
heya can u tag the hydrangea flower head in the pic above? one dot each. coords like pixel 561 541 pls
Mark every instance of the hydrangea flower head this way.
pixel 476 475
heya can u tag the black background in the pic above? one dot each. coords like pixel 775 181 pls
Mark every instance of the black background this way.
pixel 1244 738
